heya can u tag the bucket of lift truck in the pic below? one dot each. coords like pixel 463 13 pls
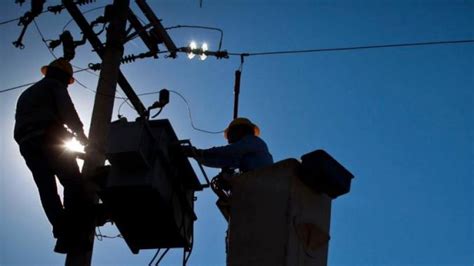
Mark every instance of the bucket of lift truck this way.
pixel 150 188
pixel 324 174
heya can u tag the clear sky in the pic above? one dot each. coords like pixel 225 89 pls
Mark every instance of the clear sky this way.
pixel 401 120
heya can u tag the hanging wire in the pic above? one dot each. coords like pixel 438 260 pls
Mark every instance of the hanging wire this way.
pixel 99 236
pixel 187 106
pixel 159 259
pixel 191 117
pixel 85 12
pixel 353 48
pixel 154 257
pixel 125 100
pixel 43 40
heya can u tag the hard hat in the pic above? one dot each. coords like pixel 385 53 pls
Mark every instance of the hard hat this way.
pixel 242 121
pixel 61 64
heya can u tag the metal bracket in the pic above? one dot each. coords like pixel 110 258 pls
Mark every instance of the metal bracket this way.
pixel 187 142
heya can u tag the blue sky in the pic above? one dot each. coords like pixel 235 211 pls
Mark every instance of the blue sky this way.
pixel 401 120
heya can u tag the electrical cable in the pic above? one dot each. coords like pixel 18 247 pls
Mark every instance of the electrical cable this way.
pixel 120 97
pixel 99 236
pixel 8 21
pixel 82 85
pixel 161 257
pixel 80 69
pixel 54 9
pixel 191 118
pixel 31 83
pixel 85 12
pixel 88 70
pixel 18 18
pixel 43 40
pixel 17 87
pixel 54 55
pixel 125 100
pixel 312 51
pixel 190 251
pixel 187 105
pixel 158 113
pixel 354 48
pixel 154 257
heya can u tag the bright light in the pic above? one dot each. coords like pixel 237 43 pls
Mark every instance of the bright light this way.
pixel 192 46
pixel 73 145
pixel 204 48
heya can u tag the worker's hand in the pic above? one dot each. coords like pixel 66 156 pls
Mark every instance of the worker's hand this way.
pixel 82 138
pixel 189 151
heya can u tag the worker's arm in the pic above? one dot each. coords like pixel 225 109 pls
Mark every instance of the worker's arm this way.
pixel 67 112
pixel 226 156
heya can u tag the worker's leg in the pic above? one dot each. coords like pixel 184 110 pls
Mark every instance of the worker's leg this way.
pixel 67 171
pixel 78 210
pixel 36 160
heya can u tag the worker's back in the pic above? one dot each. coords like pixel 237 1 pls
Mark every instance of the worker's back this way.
pixel 45 104
pixel 260 157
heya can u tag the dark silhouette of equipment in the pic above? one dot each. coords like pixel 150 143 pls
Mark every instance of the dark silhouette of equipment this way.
pixel 324 174
pixel 27 18
pixel 150 187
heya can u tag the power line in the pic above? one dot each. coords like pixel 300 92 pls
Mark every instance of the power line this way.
pixel 18 18
pixel 353 48
pixel 17 87
pixel 85 12
pixel 8 21
pixel 43 40
pixel 31 83
pixel 53 9
pixel 301 51
pixel 80 68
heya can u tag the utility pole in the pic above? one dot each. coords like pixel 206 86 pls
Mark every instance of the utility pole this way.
pixel 102 112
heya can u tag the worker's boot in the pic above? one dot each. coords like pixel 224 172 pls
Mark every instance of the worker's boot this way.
pixel 60 232
pixel 62 245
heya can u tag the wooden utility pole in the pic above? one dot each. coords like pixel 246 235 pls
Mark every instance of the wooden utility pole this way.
pixel 102 112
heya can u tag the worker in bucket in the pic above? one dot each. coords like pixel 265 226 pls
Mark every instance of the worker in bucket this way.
pixel 245 151
pixel 43 110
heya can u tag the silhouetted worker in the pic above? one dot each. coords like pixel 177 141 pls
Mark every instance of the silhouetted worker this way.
pixel 245 151
pixel 42 112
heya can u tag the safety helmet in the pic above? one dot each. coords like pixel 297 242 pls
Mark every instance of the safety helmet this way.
pixel 61 64
pixel 242 121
